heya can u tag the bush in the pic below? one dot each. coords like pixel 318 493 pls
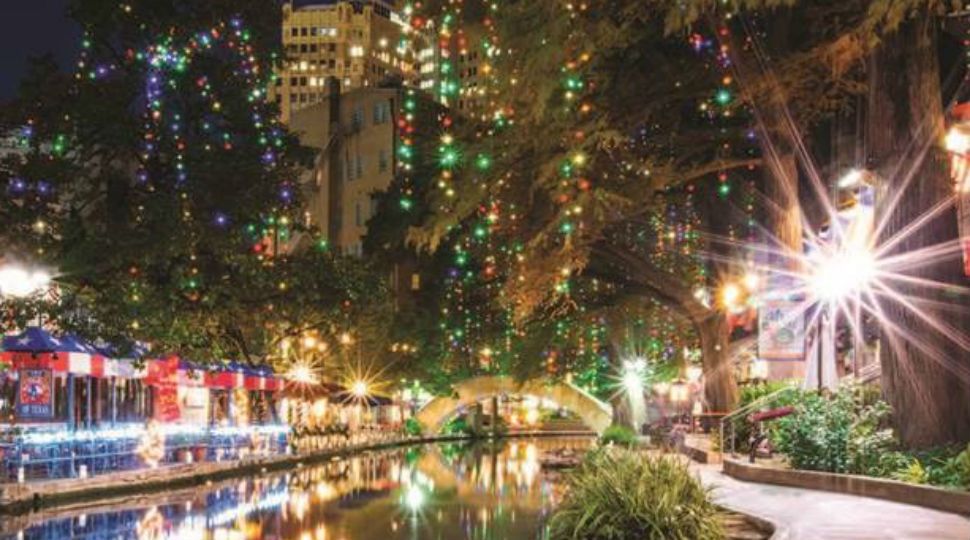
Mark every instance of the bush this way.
pixel 618 495
pixel 748 395
pixel 841 433
pixel 412 427
pixel 619 435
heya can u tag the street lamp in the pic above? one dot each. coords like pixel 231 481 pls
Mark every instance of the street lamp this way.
pixel 19 282
pixel 839 275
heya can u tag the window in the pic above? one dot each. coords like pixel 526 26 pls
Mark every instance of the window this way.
pixel 294 31
pixel 382 162
pixel 357 51
pixel 332 64
pixel 313 47
pixel 313 30
pixel 381 114
pixel 303 47
pixel 373 207
pixel 332 47
pixel 302 81
pixel 415 282
pixel 303 31
pixel 357 120
pixel 360 166
pixel 294 81
pixel 357 215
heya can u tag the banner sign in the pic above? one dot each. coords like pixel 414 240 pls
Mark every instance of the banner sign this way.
pixel 781 330
pixel 35 398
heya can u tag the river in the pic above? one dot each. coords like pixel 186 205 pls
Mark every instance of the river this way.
pixel 477 491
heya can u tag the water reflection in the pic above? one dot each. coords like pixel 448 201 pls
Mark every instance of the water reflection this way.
pixel 441 492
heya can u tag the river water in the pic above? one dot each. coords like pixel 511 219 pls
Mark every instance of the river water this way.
pixel 450 491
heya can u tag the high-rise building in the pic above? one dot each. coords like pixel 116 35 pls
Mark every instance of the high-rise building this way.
pixel 357 42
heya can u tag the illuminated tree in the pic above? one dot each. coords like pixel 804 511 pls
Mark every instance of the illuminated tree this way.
pixel 159 186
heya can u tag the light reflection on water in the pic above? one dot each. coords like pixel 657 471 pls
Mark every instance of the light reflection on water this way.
pixel 439 492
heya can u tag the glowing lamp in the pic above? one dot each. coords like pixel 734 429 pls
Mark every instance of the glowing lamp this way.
pixel 730 294
pixel 758 369
pixel 360 389
pixel 18 282
pixel 842 274
pixel 850 179
pixel 957 140
pixel 679 392
pixel 694 373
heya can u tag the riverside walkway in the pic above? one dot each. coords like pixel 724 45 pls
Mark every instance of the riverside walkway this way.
pixel 802 514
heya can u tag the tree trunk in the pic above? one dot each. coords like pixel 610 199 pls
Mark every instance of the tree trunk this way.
pixel 720 388
pixel 931 403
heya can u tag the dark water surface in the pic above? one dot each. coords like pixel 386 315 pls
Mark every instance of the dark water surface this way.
pixel 435 492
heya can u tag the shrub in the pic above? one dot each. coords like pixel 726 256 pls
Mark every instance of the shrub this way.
pixel 842 433
pixel 618 494
pixel 619 435
pixel 914 473
pixel 413 428
pixel 948 467
pixel 748 395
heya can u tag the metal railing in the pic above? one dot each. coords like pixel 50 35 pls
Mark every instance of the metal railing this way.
pixel 25 460
pixel 744 411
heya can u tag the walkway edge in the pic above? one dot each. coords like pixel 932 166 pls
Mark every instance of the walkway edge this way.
pixel 22 498
pixel 956 502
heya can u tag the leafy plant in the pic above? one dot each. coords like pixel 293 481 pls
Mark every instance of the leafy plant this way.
pixel 618 494
pixel 949 467
pixel 750 394
pixel 914 473
pixel 619 435
pixel 413 427
pixel 842 433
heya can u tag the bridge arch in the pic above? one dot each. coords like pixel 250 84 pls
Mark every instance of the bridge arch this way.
pixel 593 412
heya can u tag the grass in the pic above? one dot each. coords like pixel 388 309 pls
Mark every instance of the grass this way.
pixel 618 494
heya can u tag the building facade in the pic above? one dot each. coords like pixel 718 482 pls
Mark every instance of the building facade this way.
pixel 354 133
pixel 360 43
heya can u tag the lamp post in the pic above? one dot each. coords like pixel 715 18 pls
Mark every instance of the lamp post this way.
pixel 838 275
pixel 19 282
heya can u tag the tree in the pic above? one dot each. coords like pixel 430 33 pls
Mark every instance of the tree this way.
pixel 930 394
pixel 615 143
pixel 922 330
pixel 159 185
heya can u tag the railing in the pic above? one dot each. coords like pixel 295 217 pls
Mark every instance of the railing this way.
pixel 62 454
pixel 744 411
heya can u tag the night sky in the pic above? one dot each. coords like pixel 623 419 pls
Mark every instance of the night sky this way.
pixel 32 28
pixel 35 27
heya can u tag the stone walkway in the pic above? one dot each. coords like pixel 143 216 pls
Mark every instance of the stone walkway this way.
pixel 801 514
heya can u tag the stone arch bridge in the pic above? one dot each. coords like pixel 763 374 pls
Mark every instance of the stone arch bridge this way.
pixel 593 412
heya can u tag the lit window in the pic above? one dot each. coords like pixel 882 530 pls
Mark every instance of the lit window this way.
pixel 357 51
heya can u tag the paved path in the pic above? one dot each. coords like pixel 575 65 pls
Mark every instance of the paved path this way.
pixel 802 514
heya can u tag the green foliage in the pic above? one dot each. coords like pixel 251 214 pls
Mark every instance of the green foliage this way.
pixel 751 393
pixel 948 467
pixel 838 433
pixel 619 435
pixel 847 433
pixel 456 426
pixel 914 473
pixel 413 427
pixel 619 495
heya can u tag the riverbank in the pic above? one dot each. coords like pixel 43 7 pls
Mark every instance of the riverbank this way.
pixel 22 498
